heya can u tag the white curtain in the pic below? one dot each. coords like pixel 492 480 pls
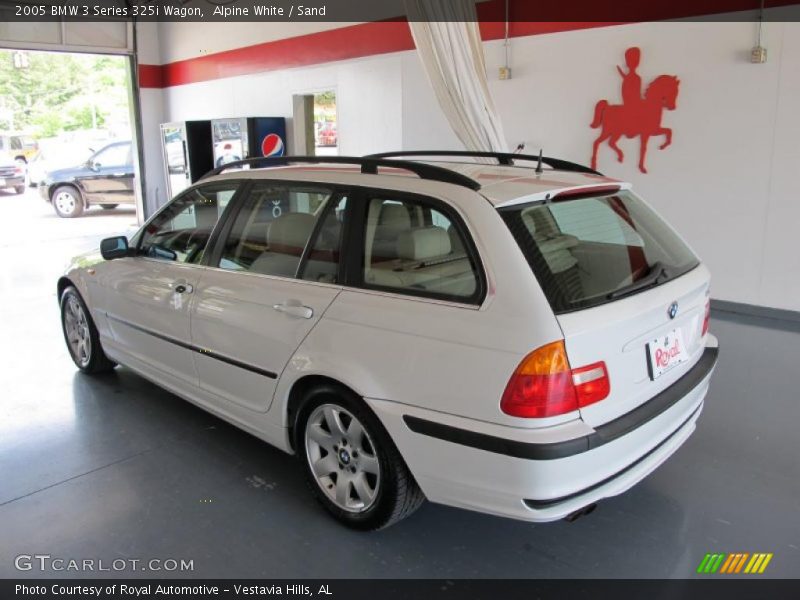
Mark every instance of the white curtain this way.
pixel 449 44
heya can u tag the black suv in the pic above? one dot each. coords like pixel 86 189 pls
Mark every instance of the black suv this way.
pixel 105 179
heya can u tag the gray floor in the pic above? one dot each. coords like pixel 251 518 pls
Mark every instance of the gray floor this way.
pixel 116 468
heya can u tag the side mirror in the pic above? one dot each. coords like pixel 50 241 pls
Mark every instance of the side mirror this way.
pixel 95 166
pixel 114 247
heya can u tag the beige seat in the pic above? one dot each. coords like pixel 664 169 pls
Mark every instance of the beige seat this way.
pixel 286 238
pixel 555 246
pixel 425 263
pixel 393 220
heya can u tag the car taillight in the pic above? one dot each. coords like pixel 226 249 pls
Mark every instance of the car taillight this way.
pixel 17 170
pixel 706 318
pixel 544 385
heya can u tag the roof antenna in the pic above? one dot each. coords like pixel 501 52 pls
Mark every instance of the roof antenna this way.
pixel 539 169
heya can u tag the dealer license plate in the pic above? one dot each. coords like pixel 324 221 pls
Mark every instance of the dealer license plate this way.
pixel 665 353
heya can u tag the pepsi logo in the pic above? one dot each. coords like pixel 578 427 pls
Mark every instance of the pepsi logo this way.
pixel 272 145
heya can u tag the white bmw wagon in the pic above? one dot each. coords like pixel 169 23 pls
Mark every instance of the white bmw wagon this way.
pixel 496 335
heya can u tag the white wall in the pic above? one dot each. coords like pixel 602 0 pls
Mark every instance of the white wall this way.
pixel 726 183
pixel 152 110
pixel 189 39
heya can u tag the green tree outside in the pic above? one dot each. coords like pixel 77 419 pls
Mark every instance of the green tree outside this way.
pixel 57 92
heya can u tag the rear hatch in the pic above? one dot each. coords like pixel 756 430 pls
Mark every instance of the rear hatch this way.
pixel 625 288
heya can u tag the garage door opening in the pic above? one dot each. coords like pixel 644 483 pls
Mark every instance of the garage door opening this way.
pixel 66 136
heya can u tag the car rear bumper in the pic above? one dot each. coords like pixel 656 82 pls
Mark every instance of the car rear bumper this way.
pixel 15 181
pixel 524 475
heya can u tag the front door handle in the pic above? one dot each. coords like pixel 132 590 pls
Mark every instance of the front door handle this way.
pixel 295 309
pixel 181 287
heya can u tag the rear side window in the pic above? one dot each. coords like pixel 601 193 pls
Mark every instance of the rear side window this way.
pixel 415 248
pixel 270 234
pixel 589 251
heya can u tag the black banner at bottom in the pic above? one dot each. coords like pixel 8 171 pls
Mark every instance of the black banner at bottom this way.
pixel 733 588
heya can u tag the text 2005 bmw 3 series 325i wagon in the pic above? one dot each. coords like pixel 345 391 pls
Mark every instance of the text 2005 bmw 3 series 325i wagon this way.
pixel 511 339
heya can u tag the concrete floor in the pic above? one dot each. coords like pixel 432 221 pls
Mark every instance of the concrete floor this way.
pixel 114 467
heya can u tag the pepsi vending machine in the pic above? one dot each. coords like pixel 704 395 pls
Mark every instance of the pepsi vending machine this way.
pixel 247 137
pixel 187 153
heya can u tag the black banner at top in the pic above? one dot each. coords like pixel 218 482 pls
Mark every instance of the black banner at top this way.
pixel 589 11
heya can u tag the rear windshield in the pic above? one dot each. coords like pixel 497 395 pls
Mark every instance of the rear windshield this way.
pixel 589 251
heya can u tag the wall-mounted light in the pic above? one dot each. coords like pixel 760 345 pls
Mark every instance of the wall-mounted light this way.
pixel 758 55
pixel 505 70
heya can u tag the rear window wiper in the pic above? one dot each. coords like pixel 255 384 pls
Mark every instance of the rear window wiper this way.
pixel 655 275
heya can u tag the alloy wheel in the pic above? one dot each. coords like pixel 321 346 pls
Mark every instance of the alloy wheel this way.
pixel 342 458
pixel 78 334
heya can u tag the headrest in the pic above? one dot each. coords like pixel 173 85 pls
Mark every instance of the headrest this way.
pixel 291 229
pixel 423 243
pixel 394 216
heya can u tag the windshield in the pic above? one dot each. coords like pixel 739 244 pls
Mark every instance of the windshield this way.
pixel 589 251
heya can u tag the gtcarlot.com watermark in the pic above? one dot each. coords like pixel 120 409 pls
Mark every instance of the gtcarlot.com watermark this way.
pixel 48 563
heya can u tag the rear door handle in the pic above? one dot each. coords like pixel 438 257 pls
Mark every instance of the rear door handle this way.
pixel 295 309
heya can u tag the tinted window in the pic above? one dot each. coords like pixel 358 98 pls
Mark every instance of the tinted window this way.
pixel 589 251
pixel 322 262
pixel 113 156
pixel 415 248
pixel 181 231
pixel 272 229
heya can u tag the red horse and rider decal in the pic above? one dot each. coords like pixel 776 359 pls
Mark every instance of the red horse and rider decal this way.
pixel 637 115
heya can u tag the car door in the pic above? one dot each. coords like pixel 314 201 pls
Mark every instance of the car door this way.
pixel 147 297
pixel 276 271
pixel 109 179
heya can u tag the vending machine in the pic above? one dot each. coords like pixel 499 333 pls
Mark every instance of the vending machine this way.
pixel 188 153
pixel 247 137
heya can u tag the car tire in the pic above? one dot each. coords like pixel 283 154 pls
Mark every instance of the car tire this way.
pixel 377 489
pixel 68 202
pixel 19 189
pixel 80 335
pixel 109 206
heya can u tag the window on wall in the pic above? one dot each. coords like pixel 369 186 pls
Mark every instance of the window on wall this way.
pixel 270 234
pixel 414 248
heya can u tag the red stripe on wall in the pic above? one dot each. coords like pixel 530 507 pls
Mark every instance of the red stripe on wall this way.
pixel 150 76
pixel 382 37
pixel 355 41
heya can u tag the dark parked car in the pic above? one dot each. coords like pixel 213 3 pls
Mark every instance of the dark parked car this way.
pixel 105 179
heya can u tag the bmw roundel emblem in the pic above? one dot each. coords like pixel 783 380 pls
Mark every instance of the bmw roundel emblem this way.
pixel 672 311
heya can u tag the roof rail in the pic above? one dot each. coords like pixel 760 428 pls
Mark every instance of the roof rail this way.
pixel 368 164
pixel 503 158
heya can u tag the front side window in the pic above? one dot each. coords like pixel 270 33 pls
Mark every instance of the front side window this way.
pixel 414 248
pixel 181 231
pixel 270 234
pixel 118 155
pixel 589 251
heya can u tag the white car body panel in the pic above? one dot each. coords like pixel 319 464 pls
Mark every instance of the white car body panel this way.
pixel 435 360
pixel 234 316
